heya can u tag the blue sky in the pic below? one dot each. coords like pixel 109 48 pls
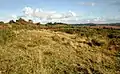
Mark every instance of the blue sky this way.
pixel 104 11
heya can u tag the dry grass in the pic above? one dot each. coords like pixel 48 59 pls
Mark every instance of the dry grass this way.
pixel 48 52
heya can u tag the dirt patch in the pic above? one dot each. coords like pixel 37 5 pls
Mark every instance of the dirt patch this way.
pixel 3 27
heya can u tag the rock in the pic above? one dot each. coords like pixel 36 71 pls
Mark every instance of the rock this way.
pixel 37 23
pixel 21 21
pixel 11 21
pixel 30 21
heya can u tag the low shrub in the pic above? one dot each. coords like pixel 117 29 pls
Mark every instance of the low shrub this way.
pixel 6 36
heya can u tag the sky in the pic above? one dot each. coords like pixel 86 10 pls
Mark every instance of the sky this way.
pixel 66 11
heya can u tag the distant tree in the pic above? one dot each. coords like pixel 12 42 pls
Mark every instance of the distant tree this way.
pixel 49 23
pixel 55 23
pixel 1 22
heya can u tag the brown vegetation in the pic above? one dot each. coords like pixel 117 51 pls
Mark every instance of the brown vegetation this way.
pixel 105 27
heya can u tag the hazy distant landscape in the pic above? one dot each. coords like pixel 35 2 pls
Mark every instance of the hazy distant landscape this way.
pixel 58 48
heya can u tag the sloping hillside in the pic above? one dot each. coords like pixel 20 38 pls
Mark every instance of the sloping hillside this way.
pixel 47 52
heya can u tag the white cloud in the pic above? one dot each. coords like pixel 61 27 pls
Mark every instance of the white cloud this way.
pixel 14 16
pixel 87 3
pixel 47 15
pixel 28 11
pixel 8 18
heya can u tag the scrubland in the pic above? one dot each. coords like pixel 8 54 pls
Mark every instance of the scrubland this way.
pixel 26 49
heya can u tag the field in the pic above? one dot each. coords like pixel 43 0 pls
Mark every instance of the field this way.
pixel 36 49
pixel 107 27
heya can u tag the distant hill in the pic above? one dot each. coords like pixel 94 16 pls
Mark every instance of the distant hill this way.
pixel 21 21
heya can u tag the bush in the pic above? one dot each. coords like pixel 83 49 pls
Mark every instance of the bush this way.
pixel 96 43
pixel 1 22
